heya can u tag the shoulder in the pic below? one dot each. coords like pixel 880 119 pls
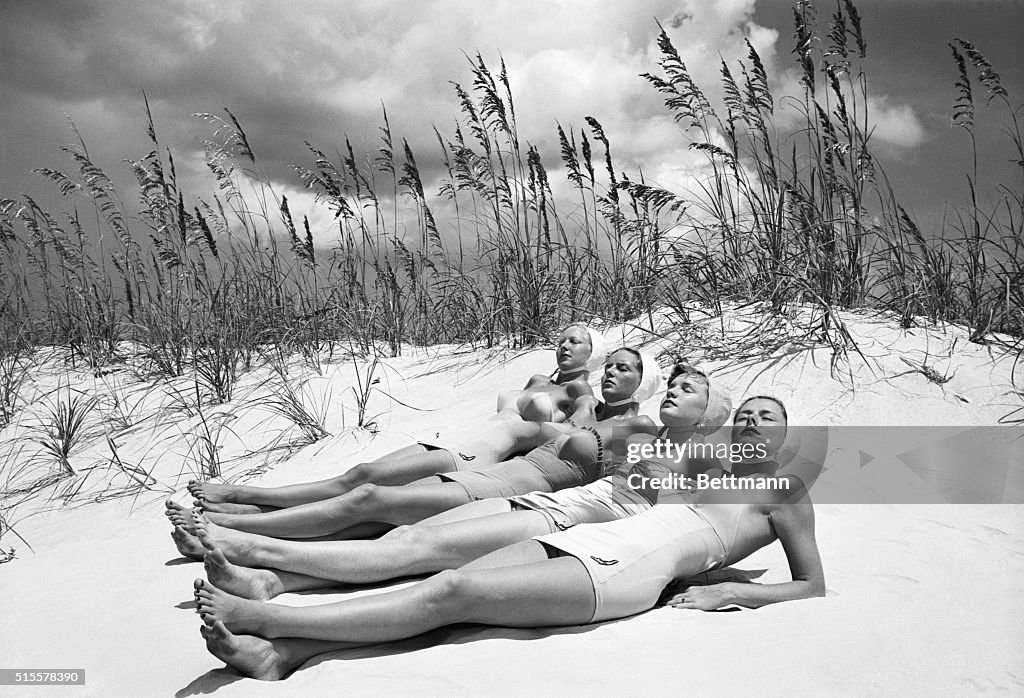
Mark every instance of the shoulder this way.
pixel 644 422
pixel 579 387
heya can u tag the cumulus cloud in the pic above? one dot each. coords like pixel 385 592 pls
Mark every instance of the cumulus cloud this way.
pixel 894 124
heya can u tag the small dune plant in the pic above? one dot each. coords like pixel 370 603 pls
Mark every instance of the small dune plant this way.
pixel 291 397
pixel 64 427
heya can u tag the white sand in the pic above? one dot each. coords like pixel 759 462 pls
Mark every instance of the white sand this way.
pixel 923 598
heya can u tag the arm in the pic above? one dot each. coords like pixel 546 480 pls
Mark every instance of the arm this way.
pixel 794 524
pixel 585 409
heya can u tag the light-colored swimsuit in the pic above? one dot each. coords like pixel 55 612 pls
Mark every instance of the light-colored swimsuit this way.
pixel 632 560
pixel 541 470
pixel 607 499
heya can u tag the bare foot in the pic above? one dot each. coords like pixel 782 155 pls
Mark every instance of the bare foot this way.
pixel 246 654
pixel 228 508
pixel 238 614
pixel 209 492
pixel 179 515
pixel 237 546
pixel 187 544
pixel 246 582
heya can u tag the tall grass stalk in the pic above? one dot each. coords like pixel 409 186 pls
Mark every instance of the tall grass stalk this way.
pixel 202 284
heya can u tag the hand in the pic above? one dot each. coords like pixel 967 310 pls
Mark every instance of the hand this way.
pixel 703 598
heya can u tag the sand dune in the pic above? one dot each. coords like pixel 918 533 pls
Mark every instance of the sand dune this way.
pixel 923 598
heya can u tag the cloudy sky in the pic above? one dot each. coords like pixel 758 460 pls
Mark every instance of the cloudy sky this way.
pixel 319 69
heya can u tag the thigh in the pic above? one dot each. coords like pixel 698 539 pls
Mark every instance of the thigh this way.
pixel 411 504
pixel 406 469
pixel 520 553
pixel 541 592
pixel 473 510
pixel 470 541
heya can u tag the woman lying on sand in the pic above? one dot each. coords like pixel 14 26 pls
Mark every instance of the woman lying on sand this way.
pixel 571 459
pixel 588 574
pixel 691 406
pixel 579 351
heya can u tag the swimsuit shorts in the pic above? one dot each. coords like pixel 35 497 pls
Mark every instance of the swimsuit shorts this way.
pixel 600 501
pixel 632 560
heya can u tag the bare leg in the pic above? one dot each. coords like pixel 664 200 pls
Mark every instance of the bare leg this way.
pixel 543 592
pixel 226 508
pixel 473 510
pixel 267 660
pixel 370 529
pixel 256 584
pixel 419 550
pixel 367 503
pixel 398 468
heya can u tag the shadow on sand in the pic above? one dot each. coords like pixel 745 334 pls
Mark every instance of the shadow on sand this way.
pixel 453 635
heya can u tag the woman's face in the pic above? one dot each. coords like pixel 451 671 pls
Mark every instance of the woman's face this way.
pixel 622 375
pixel 685 401
pixel 760 423
pixel 572 349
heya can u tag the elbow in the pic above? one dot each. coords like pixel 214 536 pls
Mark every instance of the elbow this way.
pixel 817 588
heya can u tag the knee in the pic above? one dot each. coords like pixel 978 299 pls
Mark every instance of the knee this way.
pixel 448 590
pixel 358 475
pixel 364 495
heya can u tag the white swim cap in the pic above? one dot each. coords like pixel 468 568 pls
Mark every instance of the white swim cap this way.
pixel 598 351
pixel 718 411
pixel 651 380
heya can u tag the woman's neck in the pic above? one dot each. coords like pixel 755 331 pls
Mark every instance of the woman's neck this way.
pixel 606 411
pixel 566 376
pixel 677 435
pixel 763 468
